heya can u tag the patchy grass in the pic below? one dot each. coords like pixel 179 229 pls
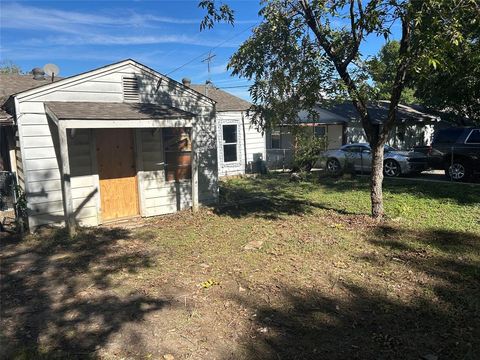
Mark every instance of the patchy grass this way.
pixel 323 280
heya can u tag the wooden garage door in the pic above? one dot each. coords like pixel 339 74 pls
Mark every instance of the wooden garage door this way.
pixel 117 173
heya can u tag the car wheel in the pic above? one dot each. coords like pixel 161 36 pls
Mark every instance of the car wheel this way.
pixel 391 168
pixel 333 167
pixel 458 171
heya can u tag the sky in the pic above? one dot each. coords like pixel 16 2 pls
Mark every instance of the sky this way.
pixel 79 36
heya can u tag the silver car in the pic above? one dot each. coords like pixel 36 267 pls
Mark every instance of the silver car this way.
pixel 358 157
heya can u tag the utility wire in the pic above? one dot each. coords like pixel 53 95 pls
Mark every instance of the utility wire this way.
pixel 232 87
pixel 207 52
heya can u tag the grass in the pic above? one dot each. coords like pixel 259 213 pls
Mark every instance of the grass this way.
pixel 325 280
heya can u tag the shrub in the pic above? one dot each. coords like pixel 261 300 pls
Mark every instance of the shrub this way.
pixel 307 151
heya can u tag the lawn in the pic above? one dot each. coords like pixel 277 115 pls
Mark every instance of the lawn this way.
pixel 298 271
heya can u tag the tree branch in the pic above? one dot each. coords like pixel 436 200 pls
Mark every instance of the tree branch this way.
pixel 400 76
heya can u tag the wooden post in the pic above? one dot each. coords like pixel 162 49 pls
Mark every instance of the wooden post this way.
pixel 66 185
pixel 194 168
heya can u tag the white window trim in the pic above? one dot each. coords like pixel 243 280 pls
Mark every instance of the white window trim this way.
pixel 235 162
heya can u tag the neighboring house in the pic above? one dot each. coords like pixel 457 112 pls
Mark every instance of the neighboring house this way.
pixel 415 127
pixel 240 144
pixel 280 141
pixel 118 141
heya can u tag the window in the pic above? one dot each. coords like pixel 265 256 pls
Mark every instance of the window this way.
pixel 474 137
pixel 229 143
pixel 320 131
pixel 178 153
pixel 275 139
pixel 353 149
pixel 447 136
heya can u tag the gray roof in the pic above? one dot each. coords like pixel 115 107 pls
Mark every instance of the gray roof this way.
pixel 114 111
pixel 225 101
pixel 322 116
pixel 379 112
pixel 14 83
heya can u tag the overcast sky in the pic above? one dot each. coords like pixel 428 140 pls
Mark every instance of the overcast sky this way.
pixel 81 35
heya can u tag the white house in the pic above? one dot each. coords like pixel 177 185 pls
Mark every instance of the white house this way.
pixel 414 125
pixel 119 141
pixel 240 144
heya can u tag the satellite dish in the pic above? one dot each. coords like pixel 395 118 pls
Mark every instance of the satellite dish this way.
pixel 51 70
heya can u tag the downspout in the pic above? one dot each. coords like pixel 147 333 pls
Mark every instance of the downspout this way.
pixel 244 141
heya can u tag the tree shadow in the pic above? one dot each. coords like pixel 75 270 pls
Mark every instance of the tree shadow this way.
pixel 462 194
pixel 57 296
pixel 438 314
pixel 269 197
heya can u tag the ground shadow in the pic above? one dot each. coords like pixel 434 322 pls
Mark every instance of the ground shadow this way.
pixel 440 319
pixel 56 296
pixel 266 197
pixel 272 196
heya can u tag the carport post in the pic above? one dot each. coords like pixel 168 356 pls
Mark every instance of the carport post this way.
pixel 66 185
pixel 194 167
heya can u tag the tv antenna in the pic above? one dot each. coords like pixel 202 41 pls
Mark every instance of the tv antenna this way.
pixel 51 70
pixel 209 60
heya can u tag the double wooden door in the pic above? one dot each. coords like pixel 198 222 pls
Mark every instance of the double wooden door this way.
pixel 117 173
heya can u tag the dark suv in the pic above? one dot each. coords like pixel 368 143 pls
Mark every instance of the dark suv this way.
pixel 457 151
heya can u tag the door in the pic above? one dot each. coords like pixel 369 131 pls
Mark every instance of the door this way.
pixel 364 159
pixel 117 173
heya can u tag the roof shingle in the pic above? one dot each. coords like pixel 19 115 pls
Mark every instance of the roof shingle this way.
pixel 225 101
pixel 114 111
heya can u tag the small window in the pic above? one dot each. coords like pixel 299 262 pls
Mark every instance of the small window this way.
pixel 474 137
pixel 229 143
pixel 178 153
pixel 320 131
pixel 275 139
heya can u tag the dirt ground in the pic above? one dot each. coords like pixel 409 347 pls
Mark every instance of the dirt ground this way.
pixel 275 280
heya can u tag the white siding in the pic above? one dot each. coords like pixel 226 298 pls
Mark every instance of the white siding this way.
pixel 40 166
pixel 254 143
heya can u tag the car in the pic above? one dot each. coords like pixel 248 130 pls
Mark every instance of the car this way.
pixel 456 150
pixel 358 157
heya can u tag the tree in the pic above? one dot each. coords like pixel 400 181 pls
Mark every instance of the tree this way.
pixel 381 69
pixel 303 49
pixel 8 67
pixel 454 86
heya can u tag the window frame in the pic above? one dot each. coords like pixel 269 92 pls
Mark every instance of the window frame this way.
pixel 320 127
pixel 168 167
pixel 224 143
pixel 279 134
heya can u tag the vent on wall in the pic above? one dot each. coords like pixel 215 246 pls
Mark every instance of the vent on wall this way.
pixel 131 91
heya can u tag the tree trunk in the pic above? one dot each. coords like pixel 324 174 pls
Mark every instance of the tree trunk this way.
pixel 376 180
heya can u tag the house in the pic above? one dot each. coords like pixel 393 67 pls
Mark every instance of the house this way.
pixel 280 141
pixel 340 124
pixel 240 145
pixel 415 126
pixel 119 141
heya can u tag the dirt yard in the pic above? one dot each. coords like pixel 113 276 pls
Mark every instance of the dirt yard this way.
pixel 303 273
